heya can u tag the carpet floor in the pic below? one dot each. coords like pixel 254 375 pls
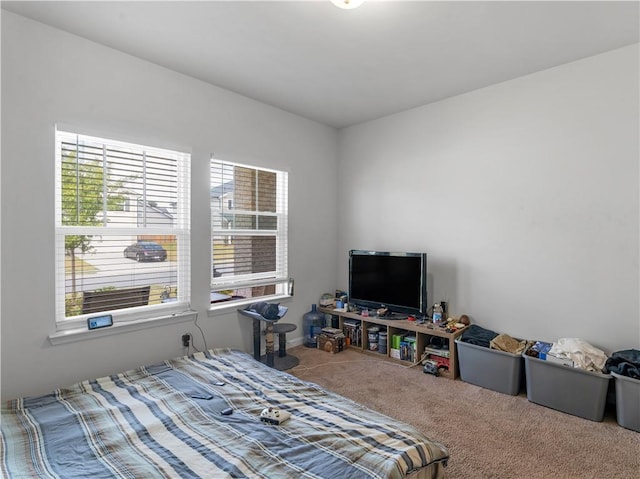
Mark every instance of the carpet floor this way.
pixel 488 434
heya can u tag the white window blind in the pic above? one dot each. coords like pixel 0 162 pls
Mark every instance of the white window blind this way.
pixel 122 228
pixel 249 221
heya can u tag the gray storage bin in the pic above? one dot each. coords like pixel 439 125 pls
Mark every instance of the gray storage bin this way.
pixel 571 390
pixel 627 401
pixel 489 368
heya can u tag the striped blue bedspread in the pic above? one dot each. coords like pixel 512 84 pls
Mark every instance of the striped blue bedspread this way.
pixel 164 421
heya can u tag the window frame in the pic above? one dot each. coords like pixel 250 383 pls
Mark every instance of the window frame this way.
pixel 280 276
pixel 132 317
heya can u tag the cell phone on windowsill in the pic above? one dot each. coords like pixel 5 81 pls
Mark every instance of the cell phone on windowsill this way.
pixel 98 322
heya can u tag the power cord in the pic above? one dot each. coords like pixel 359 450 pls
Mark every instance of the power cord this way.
pixel 195 322
pixel 191 343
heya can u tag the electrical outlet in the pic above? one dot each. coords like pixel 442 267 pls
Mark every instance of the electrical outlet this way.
pixel 186 339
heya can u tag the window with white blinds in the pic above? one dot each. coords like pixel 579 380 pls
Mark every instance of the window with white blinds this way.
pixel 122 228
pixel 249 208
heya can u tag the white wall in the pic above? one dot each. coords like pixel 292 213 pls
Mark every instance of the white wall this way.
pixel 524 195
pixel 51 77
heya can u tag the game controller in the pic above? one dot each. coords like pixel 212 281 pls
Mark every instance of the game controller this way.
pixel 274 415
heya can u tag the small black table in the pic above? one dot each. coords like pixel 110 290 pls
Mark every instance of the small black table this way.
pixel 283 360
pixel 257 318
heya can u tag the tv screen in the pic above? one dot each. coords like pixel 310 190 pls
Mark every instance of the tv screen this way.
pixel 395 280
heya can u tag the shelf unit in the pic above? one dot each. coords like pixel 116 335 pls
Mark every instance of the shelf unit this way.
pixel 424 332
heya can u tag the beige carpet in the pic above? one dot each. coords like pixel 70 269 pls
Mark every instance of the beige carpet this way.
pixel 489 434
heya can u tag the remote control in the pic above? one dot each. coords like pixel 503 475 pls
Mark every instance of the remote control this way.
pixel 227 412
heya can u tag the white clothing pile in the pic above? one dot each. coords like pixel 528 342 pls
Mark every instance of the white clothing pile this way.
pixel 583 354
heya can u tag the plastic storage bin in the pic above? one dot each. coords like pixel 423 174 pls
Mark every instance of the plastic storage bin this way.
pixel 571 390
pixel 490 368
pixel 627 401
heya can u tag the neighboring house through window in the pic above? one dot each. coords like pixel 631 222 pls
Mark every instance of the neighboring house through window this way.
pixel 249 221
pixel 122 229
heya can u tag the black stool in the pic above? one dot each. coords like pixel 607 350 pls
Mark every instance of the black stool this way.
pixel 284 361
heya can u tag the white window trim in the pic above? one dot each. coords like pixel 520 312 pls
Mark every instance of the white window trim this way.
pixel 281 276
pixel 68 330
pixel 79 334
pixel 224 307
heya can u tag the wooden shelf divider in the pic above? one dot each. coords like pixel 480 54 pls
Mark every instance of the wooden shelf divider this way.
pixel 424 333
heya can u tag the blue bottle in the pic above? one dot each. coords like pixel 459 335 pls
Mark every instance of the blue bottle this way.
pixel 313 322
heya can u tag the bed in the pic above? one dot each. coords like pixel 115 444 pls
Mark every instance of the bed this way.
pixel 165 421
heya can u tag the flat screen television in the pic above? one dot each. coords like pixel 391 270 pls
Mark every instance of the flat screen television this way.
pixel 397 281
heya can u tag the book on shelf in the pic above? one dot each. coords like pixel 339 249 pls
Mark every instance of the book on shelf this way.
pixel 332 332
pixel 408 349
pixel 438 352
pixel 351 330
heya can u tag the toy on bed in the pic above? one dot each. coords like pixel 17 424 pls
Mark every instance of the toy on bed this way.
pixel 273 415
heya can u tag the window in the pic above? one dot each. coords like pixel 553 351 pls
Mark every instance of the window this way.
pixel 248 232
pixel 122 229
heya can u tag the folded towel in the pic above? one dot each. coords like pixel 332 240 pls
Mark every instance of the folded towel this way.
pixel 504 342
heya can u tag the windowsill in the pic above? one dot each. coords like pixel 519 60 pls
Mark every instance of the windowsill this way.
pixel 233 305
pixel 82 334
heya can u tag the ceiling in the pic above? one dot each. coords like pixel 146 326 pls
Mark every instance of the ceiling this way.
pixel 343 67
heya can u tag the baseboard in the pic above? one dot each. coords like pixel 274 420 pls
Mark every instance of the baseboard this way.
pixel 290 344
pixel 295 342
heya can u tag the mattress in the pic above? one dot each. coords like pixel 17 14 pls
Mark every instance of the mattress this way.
pixel 166 421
